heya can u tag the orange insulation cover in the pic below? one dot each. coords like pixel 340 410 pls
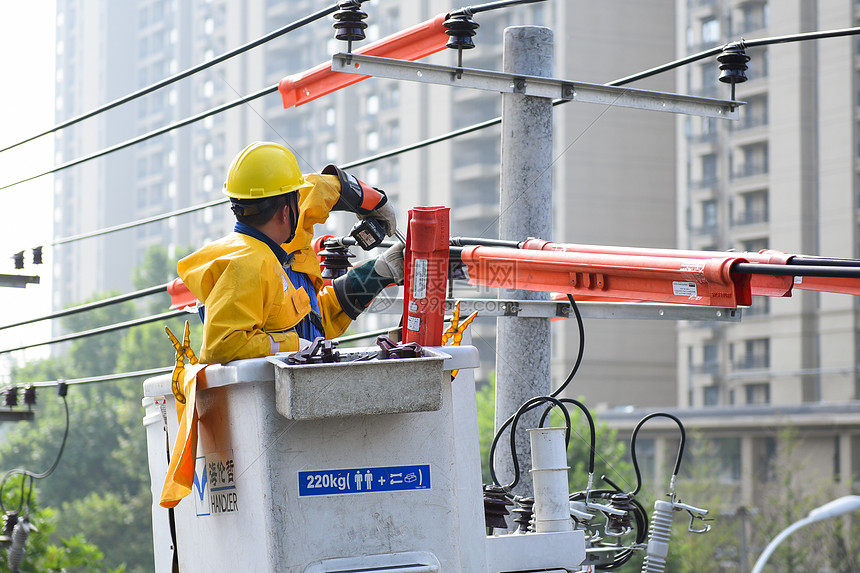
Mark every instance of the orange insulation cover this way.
pixel 705 282
pixel 411 44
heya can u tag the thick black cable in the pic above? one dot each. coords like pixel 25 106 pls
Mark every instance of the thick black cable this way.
pixel 184 74
pixel 99 330
pixel 844 272
pixel 592 444
pixel 806 260
pixel 581 352
pixel 92 305
pixel 681 445
pixel 512 421
pixel 719 49
pixel 150 135
pixel 494 6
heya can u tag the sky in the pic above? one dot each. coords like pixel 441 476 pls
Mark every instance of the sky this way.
pixel 27 48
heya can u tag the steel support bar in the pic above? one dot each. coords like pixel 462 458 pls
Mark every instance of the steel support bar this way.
pixel 494 307
pixel 504 82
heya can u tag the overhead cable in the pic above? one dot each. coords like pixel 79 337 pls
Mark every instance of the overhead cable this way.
pixel 150 135
pixel 182 75
pixel 92 305
pixel 424 143
pixel 104 378
pixel 99 330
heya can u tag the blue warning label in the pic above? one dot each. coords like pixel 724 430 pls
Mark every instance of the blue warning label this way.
pixel 364 480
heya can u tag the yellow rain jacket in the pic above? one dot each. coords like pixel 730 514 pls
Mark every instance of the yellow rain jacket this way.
pixel 248 296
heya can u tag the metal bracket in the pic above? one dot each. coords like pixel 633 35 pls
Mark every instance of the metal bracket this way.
pixel 487 307
pixel 534 86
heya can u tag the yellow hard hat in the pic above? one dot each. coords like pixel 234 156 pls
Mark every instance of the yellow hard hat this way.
pixel 262 170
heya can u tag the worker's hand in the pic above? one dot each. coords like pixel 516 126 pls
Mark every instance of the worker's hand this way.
pixel 385 215
pixel 362 199
pixel 390 263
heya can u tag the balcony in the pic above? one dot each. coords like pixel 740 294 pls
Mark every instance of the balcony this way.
pixel 704 183
pixel 706 368
pixel 751 217
pixel 750 170
pixel 752 362
pixel 748 123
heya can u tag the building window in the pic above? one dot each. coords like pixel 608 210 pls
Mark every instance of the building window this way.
pixel 753 16
pixel 710 31
pixel 756 355
pixel 754 114
pixel 757 393
pixel 755 208
pixel 711 396
pixel 755 160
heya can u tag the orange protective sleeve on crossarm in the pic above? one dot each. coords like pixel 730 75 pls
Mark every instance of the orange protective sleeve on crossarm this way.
pixel 411 44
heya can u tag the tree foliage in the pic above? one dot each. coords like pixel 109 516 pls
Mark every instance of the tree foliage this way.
pixel 99 496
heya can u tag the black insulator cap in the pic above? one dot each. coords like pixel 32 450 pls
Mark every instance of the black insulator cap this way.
pixel 349 23
pixel 495 507
pixel 30 395
pixel 19 260
pixel 461 28
pixel 62 389
pixel 10 520
pixel 524 513
pixel 733 64
pixel 335 261
pixel 37 256
pixel 622 502
pixel 10 396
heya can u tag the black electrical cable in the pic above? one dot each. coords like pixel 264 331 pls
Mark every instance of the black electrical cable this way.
pixel 592 443
pixel 32 475
pixel 92 305
pixel 495 5
pixel 681 445
pixel 184 74
pixel 139 222
pixel 718 50
pixel 806 260
pixel 844 272
pixel 581 351
pixel 99 330
pixel 512 421
pixel 150 135
pixel 551 398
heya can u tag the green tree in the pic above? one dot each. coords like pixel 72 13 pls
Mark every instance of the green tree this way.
pixel 41 554
pixel 100 490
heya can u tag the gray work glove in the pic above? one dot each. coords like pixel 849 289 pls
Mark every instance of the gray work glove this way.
pixel 390 263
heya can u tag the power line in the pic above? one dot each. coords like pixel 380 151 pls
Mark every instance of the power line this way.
pixel 182 75
pixel 92 305
pixel 150 135
pixel 99 330
pixel 394 152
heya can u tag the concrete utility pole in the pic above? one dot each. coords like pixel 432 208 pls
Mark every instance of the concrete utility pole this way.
pixel 523 344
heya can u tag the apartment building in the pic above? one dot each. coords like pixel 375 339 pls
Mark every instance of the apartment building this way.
pixel 783 177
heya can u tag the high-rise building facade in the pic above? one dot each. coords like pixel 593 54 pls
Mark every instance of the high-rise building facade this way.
pixel 783 177
pixel 613 174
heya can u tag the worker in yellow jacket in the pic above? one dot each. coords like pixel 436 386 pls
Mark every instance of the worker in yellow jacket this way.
pixel 261 285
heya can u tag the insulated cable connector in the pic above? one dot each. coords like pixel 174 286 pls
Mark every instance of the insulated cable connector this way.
pixel 461 28
pixel 349 23
pixel 733 64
